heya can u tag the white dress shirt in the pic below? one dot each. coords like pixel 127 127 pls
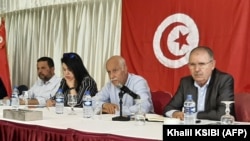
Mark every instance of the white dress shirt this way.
pixel 201 99
pixel 110 94
pixel 42 91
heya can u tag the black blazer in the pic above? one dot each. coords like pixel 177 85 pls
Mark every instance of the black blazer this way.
pixel 220 88
pixel 3 92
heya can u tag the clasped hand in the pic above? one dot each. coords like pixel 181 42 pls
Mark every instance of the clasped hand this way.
pixel 178 114
pixel 109 108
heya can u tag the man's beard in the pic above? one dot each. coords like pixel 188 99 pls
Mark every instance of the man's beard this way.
pixel 44 78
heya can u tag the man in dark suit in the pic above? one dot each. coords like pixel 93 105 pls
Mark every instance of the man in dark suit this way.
pixel 3 92
pixel 206 84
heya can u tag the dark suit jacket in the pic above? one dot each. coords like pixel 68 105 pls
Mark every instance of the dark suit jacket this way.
pixel 220 88
pixel 3 92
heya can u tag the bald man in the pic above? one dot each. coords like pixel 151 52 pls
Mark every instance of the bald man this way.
pixel 119 76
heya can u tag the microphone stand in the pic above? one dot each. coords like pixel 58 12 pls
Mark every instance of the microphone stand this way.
pixel 121 118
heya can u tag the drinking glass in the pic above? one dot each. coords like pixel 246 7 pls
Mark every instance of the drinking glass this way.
pixel 139 115
pixel 97 108
pixel 227 118
pixel 25 96
pixel 72 100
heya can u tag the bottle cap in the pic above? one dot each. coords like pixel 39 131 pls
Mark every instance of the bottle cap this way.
pixel 87 92
pixel 189 96
pixel 60 90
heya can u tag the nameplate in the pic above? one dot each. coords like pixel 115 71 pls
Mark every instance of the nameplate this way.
pixel 22 114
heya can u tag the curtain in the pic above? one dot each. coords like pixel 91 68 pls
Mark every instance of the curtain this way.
pixel 90 28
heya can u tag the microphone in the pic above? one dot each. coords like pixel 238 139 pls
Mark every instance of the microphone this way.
pixel 128 91
pixel 124 90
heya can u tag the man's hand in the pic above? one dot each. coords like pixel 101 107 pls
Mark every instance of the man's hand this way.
pixel 21 101
pixel 50 103
pixel 109 108
pixel 178 114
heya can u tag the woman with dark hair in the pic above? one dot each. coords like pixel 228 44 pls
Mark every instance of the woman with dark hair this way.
pixel 76 79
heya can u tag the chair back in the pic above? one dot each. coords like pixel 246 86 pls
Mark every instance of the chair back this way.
pixel 160 100
pixel 22 88
pixel 242 104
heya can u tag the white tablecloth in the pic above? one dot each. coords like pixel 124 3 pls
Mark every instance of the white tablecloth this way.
pixel 103 124
pixel 151 130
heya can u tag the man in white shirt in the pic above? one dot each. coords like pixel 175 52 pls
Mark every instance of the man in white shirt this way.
pixel 47 84
pixel 119 76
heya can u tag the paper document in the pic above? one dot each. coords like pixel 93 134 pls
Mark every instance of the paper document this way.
pixel 154 117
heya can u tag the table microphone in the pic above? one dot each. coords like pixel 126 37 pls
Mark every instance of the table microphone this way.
pixel 128 91
pixel 124 89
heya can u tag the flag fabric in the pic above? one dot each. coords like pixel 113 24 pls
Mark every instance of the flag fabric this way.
pixel 4 67
pixel 158 35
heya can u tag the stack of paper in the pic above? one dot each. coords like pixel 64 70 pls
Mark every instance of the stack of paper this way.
pixel 154 117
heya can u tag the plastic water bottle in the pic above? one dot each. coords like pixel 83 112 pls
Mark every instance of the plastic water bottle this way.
pixel 87 105
pixel 189 110
pixel 59 101
pixel 15 98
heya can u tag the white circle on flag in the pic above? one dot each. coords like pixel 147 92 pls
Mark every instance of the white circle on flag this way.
pixel 1 42
pixel 1 39
pixel 184 25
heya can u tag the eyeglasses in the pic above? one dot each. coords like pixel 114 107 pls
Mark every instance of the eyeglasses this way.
pixel 69 55
pixel 200 65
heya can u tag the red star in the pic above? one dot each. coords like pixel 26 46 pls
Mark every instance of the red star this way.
pixel 182 39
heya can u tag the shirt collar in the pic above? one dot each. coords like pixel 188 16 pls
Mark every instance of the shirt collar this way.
pixel 204 86
pixel 47 82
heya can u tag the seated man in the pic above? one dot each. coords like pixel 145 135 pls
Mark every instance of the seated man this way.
pixel 206 84
pixel 47 84
pixel 119 76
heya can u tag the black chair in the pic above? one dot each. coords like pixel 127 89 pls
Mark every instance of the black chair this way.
pixel 22 88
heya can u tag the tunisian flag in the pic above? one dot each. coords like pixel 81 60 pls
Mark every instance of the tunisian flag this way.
pixel 4 67
pixel 158 35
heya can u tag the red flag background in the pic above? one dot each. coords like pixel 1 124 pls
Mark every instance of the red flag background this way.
pixel 4 66
pixel 157 36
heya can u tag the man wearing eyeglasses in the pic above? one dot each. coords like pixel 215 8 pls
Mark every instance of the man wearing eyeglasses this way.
pixel 207 85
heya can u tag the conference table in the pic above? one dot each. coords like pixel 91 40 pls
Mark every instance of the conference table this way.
pixel 60 127
pixel 65 127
